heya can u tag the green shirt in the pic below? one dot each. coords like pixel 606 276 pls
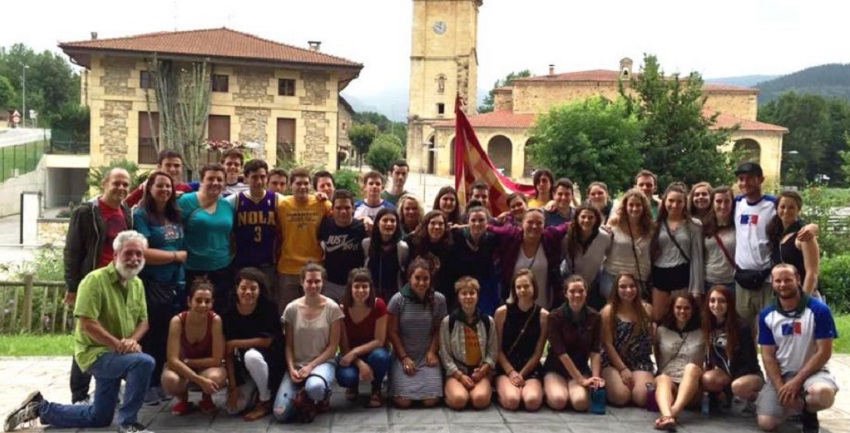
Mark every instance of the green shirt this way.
pixel 385 195
pixel 117 308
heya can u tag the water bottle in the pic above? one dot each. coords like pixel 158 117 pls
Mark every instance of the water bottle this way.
pixel 598 400
pixel 651 404
pixel 705 409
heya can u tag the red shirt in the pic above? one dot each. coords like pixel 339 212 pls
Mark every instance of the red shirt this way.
pixel 115 222
pixel 361 333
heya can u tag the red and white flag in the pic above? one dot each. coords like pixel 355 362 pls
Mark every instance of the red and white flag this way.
pixel 472 163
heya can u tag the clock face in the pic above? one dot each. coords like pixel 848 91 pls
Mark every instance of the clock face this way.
pixel 440 27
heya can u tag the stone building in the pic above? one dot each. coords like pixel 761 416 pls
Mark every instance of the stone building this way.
pixel 282 97
pixel 444 62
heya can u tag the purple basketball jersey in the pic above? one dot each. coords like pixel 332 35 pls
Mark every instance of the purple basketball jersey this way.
pixel 255 230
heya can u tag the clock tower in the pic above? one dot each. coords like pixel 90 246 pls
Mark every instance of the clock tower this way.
pixel 443 63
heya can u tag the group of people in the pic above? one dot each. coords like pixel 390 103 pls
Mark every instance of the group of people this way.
pixel 220 286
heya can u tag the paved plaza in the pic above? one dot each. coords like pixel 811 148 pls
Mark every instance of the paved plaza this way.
pixel 50 375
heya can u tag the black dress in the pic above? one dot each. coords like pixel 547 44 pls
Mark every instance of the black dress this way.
pixel 526 342
pixel 263 322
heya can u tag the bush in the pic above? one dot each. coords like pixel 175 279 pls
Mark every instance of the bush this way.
pixel 98 175
pixel 820 207
pixel 385 150
pixel 834 281
pixel 349 180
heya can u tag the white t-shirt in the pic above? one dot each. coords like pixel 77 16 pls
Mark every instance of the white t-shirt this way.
pixel 795 334
pixel 752 249
pixel 311 336
pixel 539 266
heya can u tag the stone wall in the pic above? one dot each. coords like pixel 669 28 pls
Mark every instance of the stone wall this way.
pixel 253 85
pixel 253 123
pixel 316 138
pixel 315 88
pixel 116 76
pixel 503 100
pixel 741 105
pixel 114 130
pixel 52 231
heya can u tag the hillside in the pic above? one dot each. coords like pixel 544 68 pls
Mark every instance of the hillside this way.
pixel 831 80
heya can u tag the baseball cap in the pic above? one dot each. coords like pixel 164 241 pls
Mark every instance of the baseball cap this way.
pixel 749 168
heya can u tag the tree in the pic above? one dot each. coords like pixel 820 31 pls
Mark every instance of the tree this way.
pixel 51 81
pixel 591 140
pixel 680 143
pixel 8 96
pixel 361 136
pixel 385 150
pixel 489 100
pixel 384 124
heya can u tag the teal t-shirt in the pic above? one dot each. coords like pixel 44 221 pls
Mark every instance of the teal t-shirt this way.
pixel 207 235
pixel 166 237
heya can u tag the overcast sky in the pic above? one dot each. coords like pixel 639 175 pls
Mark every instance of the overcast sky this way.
pixel 718 38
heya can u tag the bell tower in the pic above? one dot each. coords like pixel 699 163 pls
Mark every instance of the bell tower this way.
pixel 443 63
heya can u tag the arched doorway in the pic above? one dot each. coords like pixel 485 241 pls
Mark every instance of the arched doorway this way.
pixel 747 149
pixel 499 150
pixel 451 146
pixel 528 167
pixel 432 156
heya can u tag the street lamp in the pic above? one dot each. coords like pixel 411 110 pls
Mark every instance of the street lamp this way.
pixel 24 96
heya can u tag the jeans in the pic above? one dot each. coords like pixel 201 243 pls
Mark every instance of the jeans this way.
pixel 378 360
pixel 80 383
pixel 155 341
pixel 317 389
pixel 108 370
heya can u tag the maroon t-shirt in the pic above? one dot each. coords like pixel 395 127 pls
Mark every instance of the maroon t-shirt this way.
pixel 115 222
pixel 361 333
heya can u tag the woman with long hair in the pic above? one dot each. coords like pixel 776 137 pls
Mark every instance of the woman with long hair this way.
pixel 386 253
pixel 523 327
pixel 158 219
pixel 447 201
pixel 731 363
pixel 469 347
pixel 584 249
pixel 677 251
pixel 433 241
pixel 599 197
pixel 472 255
pixel 626 344
pixel 786 246
pixel 533 247
pixel 415 314
pixel 207 223
pixel 631 231
pixel 699 200
pixel 410 210
pixel 312 326
pixel 195 351
pixel 680 351
pixel 719 232
pixel 363 348
pixel 254 352
pixel 573 365
pixel 542 181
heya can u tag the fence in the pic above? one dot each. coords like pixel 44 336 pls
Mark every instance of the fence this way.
pixel 34 306
pixel 66 142
pixel 20 159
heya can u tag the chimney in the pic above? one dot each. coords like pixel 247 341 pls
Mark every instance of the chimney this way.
pixel 315 45
pixel 93 36
pixel 625 68
pixel 551 70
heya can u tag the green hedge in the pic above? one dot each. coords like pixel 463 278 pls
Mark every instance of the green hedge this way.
pixel 834 280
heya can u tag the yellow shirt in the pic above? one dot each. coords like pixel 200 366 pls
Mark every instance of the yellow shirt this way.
pixel 535 203
pixel 299 229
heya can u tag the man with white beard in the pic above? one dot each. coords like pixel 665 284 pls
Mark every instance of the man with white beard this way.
pixel 111 319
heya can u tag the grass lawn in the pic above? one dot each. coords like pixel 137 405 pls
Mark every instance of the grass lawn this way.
pixel 842 344
pixel 36 345
pixel 24 157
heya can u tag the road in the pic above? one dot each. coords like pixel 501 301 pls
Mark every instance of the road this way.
pixel 12 137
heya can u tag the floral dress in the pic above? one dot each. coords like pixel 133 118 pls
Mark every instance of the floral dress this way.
pixel 634 350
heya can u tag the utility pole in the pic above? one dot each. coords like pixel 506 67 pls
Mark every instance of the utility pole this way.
pixel 24 97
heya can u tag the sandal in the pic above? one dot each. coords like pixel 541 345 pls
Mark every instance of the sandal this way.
pixel 351 394
pixel 667 423
pixel 376 400
pixel 262 409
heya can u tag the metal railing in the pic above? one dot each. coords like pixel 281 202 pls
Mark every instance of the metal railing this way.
pixel 34 307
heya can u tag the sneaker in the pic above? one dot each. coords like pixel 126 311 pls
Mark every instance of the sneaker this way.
pixel 810 421
pixel 182 407
pixel 152 397
pixel 206 405
pixel 134 427
pixel 25 413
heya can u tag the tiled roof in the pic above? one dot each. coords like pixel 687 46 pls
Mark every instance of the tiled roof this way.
pixel 214 43
pixel 729 121
pixel 603 75
pixel 495 119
